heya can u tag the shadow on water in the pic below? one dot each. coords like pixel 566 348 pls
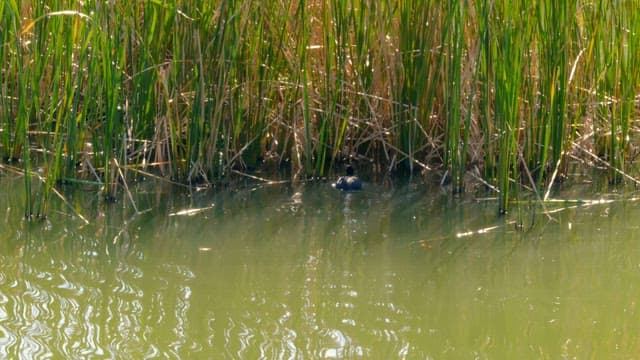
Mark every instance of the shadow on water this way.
pixel 297 272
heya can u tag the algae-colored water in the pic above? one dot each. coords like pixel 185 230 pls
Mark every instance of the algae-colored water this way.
pixel 308 272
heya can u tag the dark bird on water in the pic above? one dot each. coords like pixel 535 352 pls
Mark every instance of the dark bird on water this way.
pixel 349 181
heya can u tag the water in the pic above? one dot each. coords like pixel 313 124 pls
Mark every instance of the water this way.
pixel 307 272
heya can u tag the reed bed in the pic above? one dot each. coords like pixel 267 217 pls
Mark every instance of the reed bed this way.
pixel 504 91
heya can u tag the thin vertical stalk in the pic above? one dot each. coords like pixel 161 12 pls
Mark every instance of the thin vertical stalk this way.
pixel 554 21
pixel 510 42
pixel 453 92
pixel 304 83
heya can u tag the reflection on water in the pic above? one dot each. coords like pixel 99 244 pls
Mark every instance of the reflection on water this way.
pixel 309 272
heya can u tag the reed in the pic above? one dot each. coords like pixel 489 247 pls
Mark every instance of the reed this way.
pixel 513 35
pixel 193 91
pixel 418 76
pixel 547 138
pixel 455 141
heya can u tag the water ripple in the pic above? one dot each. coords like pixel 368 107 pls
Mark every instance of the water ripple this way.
pixel 8 341
pixel 276 288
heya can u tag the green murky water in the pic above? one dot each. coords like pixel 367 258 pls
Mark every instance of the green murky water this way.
pixel 307 273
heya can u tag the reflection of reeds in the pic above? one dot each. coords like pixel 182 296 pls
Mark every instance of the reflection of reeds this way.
pixel 193 90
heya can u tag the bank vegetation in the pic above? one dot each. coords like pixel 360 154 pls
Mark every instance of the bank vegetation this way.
pixel 508 92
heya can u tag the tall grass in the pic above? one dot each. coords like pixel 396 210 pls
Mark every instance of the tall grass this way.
pixel 107 92
pixel 513 35
pixel 615 49
pixel 547 140
pixel 455 141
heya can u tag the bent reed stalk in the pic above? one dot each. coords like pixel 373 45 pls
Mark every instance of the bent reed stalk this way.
pixel 194 91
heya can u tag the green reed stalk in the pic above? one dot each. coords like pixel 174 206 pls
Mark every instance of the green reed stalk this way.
pixel 112 55
pixel 304 79
pixel 258 54
pixel 16 139
pixel 554 21
pixel 607 81
pixel 369 20
pixel 510 46
pixel 61 89
pixel 55 72
pixel 9 14
pixel 218 80
pixel 21 141
pixel 485 74
pixel 599 56
pixel 234 56
pixel 202 88
pixel 612 57
pixel 336 42
pixel 419 73
pixel 147 48
pixel 628 78
pixel 454 40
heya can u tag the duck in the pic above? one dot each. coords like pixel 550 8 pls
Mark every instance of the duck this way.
pixel 349 181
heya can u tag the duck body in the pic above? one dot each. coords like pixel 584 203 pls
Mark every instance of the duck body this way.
pixel 348 182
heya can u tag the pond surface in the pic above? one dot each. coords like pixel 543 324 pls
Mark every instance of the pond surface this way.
pixel 308 272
